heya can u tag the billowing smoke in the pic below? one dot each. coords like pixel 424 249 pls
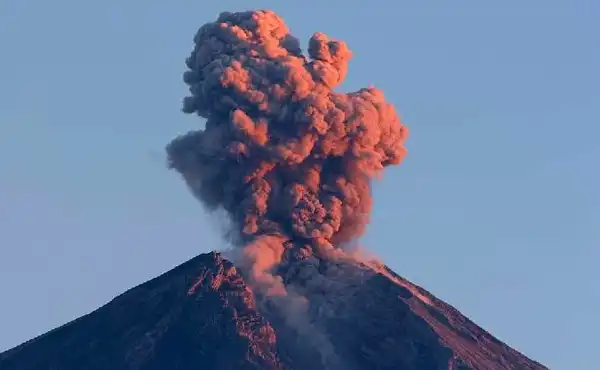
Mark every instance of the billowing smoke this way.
pixel 288 158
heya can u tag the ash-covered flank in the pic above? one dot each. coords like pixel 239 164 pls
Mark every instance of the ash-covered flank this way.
pixel 202 315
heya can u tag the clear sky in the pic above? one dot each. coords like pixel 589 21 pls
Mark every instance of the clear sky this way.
pixel 493 209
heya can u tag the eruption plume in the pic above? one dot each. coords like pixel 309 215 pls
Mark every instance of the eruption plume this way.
pixel 288 158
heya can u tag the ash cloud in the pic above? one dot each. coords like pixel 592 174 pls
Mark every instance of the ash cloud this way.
pixel 289 159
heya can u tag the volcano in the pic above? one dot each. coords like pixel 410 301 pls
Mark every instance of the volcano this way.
pixel 290 160
pixel 203 315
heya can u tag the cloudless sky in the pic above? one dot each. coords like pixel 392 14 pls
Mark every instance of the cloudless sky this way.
pixel 495 209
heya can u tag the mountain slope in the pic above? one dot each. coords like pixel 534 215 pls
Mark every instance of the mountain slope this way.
pixel 201 315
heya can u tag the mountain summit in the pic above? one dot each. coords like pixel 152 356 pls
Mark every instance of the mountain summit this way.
pixel 202 315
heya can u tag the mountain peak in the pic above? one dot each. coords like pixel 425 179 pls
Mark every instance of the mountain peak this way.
pixel 202 314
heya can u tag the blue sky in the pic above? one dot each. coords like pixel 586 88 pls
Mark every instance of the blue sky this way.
pixel 493 209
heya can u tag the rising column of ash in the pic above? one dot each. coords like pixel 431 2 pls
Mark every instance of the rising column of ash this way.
pixel 289 159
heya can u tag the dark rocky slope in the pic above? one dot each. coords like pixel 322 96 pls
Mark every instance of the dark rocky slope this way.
pixel 201 315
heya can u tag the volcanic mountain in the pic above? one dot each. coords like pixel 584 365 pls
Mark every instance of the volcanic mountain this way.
pixel 203 315
pixel 290 160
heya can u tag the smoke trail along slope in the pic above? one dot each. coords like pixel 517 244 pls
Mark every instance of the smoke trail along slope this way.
pixel 288 158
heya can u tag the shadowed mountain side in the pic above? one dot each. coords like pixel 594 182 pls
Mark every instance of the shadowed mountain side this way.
pixel 157 325
pixel 201 315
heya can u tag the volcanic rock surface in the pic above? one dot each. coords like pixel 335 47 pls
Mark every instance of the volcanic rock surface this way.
pixel 202 315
